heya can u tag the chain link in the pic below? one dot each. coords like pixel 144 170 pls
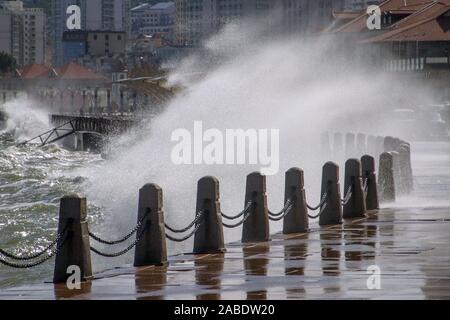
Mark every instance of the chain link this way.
pixel 283 211
pixel 231 226
pixel 320 212
pixel 125 238
pixel 286 212
pixel 243 212
pixel 186 237
pixel 37 263
pixel 322 201
pixel 198 216
pixel 120 253
pixel 348 196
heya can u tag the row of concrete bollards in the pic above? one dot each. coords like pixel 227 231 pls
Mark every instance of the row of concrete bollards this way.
pixel 150 246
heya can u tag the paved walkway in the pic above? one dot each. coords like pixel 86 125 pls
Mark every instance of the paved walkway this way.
pixel 410 246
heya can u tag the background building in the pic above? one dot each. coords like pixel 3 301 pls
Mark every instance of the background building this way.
pixel 96 15
pixel 354 5
pixel 22 32
pixel 198 19
pixel 151 19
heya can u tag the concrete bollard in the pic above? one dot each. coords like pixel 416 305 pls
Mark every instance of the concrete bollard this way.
pixel 396 168
pixel 74 245
pixel 361 146
pixel 209 236
pixel 370 178
pixel 350 145
pixel 325 145
pixel 338 147
pixel 297 220
pixel 371 146
pixel 379 142
pixel 389 144
pixel 332 213
pixel 256 227
pixel 356 206
pixel 152 248
pixel 386 178
pixel 406 167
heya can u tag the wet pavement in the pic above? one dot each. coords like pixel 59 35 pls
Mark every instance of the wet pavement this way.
pixel 409 245
pixel 408 242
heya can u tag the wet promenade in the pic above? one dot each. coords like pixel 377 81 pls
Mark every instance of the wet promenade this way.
pixel 409 243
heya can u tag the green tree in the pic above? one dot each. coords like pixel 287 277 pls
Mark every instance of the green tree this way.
pixel 7 62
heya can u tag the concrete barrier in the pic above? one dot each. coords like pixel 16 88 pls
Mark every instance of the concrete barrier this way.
pixel 370 179
pixel 386 178
pixel 355 207
pixel 209 236
pixel 256 227
pixel 397 177
pixel 332 213
pixel 406 172
pixel 152 247
pixel 297 220
pixel 74 244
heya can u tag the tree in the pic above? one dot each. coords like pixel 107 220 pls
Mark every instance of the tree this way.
pixel 7 62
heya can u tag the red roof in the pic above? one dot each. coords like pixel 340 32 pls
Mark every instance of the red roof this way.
pixel 73 71
pixel 359 24
pixel 33 71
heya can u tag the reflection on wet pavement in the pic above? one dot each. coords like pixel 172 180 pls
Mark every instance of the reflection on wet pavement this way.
pixel 409 245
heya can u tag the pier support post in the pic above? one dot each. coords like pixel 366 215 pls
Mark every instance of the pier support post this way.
pixel 325 144
pixel 74 245
pixel 209 236
pixel 152 248
pixel 338 146
pixel 356 206
pixel 256 227
pixel 386 178
pixel 350 145
pixel 370 179
pixel 297 220
pixel 332 214
pixel 361 144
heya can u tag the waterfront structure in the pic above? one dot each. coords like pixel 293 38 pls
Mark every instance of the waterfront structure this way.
pixel 22 32
pixel 96 15
pixel 196 20
pixel 153 19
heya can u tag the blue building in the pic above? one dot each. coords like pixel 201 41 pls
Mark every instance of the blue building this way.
pixel 73 45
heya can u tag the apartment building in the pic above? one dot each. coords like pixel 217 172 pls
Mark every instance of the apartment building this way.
pixel 198 19
pixel 96 15
pixel 22 32
pixel 151 19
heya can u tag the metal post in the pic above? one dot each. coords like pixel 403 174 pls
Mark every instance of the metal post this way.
pixel 297 220
pixel 356 205
pixel 332 213
pixel 370 179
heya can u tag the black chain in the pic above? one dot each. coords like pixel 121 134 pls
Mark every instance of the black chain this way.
pixel 320 213
pixel 198 216
pixel 125 238
pixel 286 212
pixel 283 211
pixel 186 237
pixel 230 226
pixel 347 197
pixel 120 253
pixel 34 264
pixel 322 202
pixel 243 212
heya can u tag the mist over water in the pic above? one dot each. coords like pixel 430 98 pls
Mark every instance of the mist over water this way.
pixel 242 79
pixel 300 86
